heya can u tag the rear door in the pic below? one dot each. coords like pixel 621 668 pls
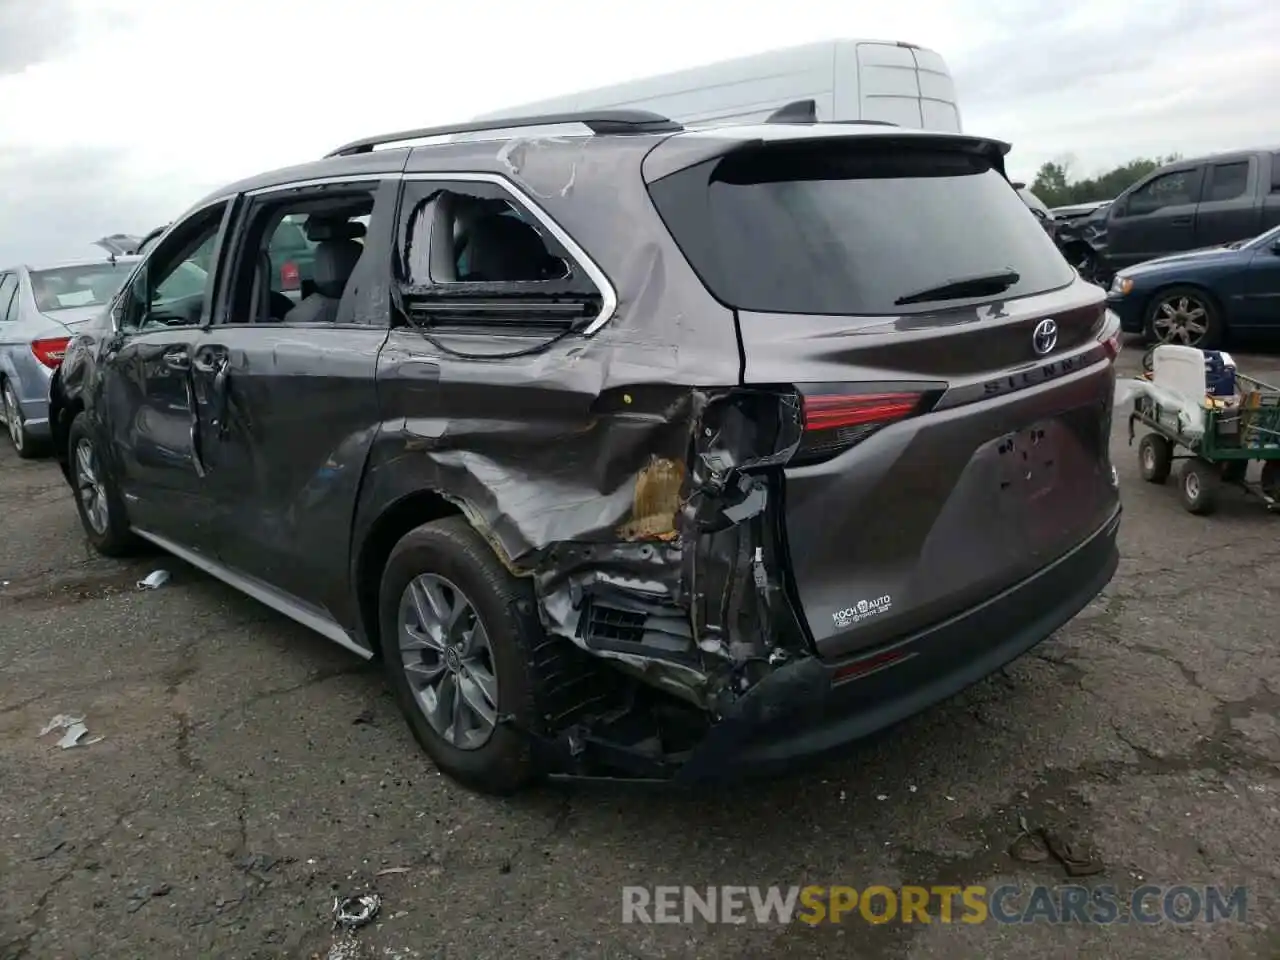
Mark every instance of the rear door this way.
pixel 956 394
pixel 288 405
pixel 1230 208
pixel 1157 218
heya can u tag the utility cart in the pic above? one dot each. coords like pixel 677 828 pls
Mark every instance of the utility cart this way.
pixel 1233 435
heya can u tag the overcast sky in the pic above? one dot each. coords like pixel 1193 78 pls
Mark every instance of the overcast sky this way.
pixel 117 114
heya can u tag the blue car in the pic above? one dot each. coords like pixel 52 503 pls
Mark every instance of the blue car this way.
pixel 1198 298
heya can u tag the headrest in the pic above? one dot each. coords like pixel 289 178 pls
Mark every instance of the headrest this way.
pixel 318 230
pixel 335 261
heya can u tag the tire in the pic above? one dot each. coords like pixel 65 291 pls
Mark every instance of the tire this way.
pixel 1198 485
pixel 109 535
pixel 1182 306
pixel 1155 458
pixel 27 446
pixel 462 562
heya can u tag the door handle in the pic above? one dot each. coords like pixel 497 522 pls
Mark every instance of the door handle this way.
pixel 177 358
pixel 1180 222
pixel 217 365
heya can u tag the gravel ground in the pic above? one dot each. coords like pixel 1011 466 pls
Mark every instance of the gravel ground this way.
pixel 249 771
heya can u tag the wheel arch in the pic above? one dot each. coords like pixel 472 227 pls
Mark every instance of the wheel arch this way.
pixel 387 529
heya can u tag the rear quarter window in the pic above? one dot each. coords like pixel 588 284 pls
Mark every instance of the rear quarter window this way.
pixel 845 228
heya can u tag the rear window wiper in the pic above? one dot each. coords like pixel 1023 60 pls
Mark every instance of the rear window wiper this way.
pixel 982 285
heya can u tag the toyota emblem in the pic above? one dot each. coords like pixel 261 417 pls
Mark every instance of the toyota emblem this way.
pixel 1045 336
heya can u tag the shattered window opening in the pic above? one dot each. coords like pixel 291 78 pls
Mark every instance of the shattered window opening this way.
pixel 471 254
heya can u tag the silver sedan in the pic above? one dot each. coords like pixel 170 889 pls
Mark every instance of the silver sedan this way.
pixel 40 309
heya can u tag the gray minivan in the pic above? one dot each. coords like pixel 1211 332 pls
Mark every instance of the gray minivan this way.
pixel 634 451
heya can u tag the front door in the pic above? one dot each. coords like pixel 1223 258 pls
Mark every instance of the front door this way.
pixel 151 408
pixel 1260 302
pixel 1157 218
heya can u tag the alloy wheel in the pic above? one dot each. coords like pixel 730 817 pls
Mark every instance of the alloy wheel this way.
pixel 12 418
pixel 1181 320
pixel 448 661
pixel 89 487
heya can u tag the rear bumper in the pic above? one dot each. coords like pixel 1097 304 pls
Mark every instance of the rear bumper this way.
pixel 810 707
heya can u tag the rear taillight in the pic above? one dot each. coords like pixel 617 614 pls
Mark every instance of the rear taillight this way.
pixel 1110 335
pixel 289 279
pixel 835 422
pixel 50 352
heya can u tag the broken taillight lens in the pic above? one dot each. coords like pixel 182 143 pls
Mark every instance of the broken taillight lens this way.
pixel 835 422
pixel 1110 335
pixel 289 277
pixel 51 351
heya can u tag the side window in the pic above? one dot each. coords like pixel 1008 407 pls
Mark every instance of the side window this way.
pixel 1275 172
pixel 8 297
pixel 1179 188
pixel 297 259
pixel 473 252
pixel 171 287
pixel 1227 181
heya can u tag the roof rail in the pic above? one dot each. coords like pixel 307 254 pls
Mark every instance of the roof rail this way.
pixel 597 121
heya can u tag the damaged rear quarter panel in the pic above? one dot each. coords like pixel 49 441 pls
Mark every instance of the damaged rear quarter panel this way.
pixel 544 452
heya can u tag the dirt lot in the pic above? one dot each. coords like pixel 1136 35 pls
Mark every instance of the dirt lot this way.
pixel 249 771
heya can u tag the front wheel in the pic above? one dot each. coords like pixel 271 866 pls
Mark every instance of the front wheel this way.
pixel 98 502
pixel 1185 316
pixel 1198 483
pixel 464 651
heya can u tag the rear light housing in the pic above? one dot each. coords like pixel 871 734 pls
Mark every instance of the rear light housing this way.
pixel 50 351
pixel 1110 335
pixel 835 422
pixel 289 276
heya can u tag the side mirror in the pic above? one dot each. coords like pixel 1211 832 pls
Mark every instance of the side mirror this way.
pixel 1275 245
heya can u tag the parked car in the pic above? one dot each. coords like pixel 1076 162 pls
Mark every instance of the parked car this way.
pixel 755 441
pixel 40 309
pixel 1199 298
pixel 1190 204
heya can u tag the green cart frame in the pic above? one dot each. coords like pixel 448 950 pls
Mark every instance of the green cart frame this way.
pixel 1233 437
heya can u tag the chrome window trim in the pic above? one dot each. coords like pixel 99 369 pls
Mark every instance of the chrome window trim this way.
pixel 322 182
pixel 608 296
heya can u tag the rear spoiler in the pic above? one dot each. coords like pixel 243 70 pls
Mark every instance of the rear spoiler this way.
pixel 683 150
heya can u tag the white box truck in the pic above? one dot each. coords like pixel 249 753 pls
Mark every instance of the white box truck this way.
pixel 880 80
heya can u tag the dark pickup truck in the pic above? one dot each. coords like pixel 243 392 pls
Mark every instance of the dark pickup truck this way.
pixel 1186 205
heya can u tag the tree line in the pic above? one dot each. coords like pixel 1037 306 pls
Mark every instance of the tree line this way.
pixel 1057 186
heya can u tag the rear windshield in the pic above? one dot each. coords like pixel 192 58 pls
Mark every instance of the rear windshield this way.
pixel 69 287
pixel 837 229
